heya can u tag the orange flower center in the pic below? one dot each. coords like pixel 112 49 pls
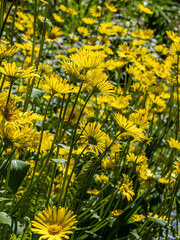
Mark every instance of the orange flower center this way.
pixel 126 189
pixel 54 229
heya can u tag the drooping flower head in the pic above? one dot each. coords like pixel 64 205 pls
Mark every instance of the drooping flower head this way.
pixel 56 85
pixel 13 72
pixel 88 59
pixel 6 50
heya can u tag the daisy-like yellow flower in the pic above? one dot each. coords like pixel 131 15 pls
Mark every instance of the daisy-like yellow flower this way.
pixel 102 178
pixel 88 59
pixel 128 128
pixel 54 224
pixel 116 212
pixel 94 136
pixel 83 31
pixel 147 178
pixel 89 20
pixel 110 6
pixel 173 36
pixel 13 73
pixel 161 49
pixel 6 50
pixel 126 188
pixel 140 118
pixel 57 18
pixel 174 143
pixel 96 11
pixel 138 217
pixel 68 10
pixel 108 163
pixel 144 34
pixel 126 51
pixel 99 84
pixel 20 137
pixel 54 34
pixel 76 74
pixel 93 191
pixel 56 85
pixel 144 9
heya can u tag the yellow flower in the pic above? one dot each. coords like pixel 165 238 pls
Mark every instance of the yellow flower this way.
pixel 54 34
pixel 173 36
pixel 93 191
pixel 140 161
pixel 68 10
pixel 75 73
pixel 126 51
pixel 128 128
pixel 138 217
pixel 157 216
pixel 44 1
pixel 87 59
pixel 147 178
pixel 57 18
pixel 144 9
pixel 110 6
pixel 83 31
pixel 99 84
pixel 54 224
pixel 140 118
pixel 14 73
pixel 106 28
pixel 102 178
pixel 17 136
pixel 126 188
pixel 108 163
pixel 74 116
pixel 116 212
pixel 96 11
pixel 161 49
pixel 89 20
pixel 119 102
pixel 112 64
pixel 174 143
pixel 94 136
pixel 56 85
pixel 144 34
pixel 6 50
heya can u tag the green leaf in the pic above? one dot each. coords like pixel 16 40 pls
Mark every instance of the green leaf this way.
pixel 37 93
pixel 63 146
pixel 93 235
pixel 4 199
pixel 18 172
pixel 135 234
pixel 5 219
pixel 158 221
pixel 62 161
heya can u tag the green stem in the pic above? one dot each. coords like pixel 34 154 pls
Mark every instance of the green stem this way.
pixel 11 84
pixel 30 87
pixel 2 83
pixel 31 184
pixel 12 27
pixel 71 111
pixel 70 151
pixel 178 105
pixel 52 180
pixel 34 31
pixel 3 25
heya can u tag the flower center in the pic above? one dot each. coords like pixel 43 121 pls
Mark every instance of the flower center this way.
pixel 126 189
pixel 54 229
pixel 92 140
